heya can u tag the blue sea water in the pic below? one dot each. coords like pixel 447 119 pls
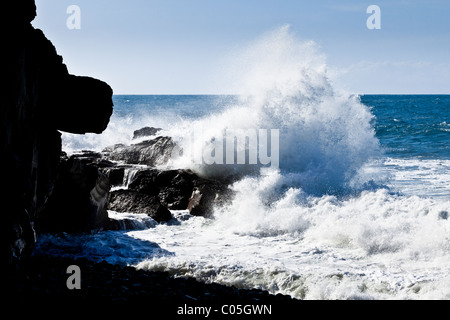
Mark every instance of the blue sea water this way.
pixel 412 126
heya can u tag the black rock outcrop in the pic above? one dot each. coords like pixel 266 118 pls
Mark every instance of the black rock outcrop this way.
pixel 150 190
pixel 38 98
pixel 137 202
pixel 78 202
pixel 145 132
pixel 152 152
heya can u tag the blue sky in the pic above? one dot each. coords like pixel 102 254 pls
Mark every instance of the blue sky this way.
pixel 178 46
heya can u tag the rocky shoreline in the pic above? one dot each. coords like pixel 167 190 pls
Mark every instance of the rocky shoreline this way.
pixel 126 178
pixel 45 280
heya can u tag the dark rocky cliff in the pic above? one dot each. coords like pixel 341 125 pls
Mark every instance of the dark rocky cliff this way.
pixel 38 97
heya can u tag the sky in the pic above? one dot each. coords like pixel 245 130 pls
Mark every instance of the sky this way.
pixel 179 46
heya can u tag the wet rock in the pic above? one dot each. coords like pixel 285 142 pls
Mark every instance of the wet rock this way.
pixel 172 187
pixel 206 195
pixel 149 189
pixel 145 132
pixel 80 196
pixel 144 181
pixel 152 153
pixel 182 189
pixel 116 175
pixel 136 202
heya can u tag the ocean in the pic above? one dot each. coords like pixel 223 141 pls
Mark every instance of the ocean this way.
pixel 357 206
pixel 376 229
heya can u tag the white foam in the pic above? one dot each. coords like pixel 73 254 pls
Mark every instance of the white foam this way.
pixel 325 136
pixel 427 177
pixel 376 246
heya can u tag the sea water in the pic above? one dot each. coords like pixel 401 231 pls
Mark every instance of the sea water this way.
pixel 357 209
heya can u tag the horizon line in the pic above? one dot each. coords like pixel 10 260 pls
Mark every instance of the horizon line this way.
pixel 235 94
